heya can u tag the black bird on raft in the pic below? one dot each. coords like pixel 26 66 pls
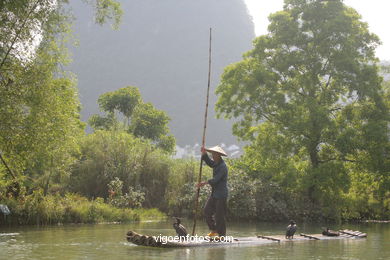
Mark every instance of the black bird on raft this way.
pixel 330 233
pixel 180 229
pixel 291 230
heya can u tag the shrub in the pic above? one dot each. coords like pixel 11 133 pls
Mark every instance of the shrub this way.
pixel 72 208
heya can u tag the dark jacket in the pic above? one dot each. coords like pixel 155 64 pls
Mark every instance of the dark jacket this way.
pixel 218 183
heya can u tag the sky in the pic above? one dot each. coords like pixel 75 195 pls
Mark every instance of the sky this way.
pixel 375 12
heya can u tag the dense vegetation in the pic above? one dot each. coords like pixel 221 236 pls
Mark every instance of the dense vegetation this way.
pixel 40 127
pixel 311 103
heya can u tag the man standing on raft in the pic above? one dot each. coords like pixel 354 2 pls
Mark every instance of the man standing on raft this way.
pixel 215 209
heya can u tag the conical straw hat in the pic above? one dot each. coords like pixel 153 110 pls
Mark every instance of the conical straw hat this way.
pixel 217 149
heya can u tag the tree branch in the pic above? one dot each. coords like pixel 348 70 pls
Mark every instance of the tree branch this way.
pixel 328 160
pixel 6 166
pixel 348 160
pixel 327 83
pixel 18 33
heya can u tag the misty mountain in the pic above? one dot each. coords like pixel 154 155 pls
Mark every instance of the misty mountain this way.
pixel 162 47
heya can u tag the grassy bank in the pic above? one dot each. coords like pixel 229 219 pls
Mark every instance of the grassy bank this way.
pixel 37 209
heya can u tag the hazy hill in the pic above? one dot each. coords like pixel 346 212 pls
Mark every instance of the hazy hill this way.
pixel 162 48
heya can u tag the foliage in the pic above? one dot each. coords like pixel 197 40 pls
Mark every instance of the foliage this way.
pixel 71 208
pixel 119 162
pixel 180 194
pixel 39 111
pixel 132 199
pixel 103 122
pixel 141 119
pixel 123 100
pixel 106 10
pixel 311 103
pixel 242 191
pixel 309 100
pixel 151 123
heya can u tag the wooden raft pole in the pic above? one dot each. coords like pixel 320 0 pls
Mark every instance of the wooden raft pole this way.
pixel 308 236
pixel 203 141
pixel 268 238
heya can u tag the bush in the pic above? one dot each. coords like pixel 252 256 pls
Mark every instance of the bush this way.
pixel 181 190
pixel 133 199
pixel 107 156
pixel 72 208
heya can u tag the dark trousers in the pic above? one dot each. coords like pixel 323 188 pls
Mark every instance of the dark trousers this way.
pixel 215 211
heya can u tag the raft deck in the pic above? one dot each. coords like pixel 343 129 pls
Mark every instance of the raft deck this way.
pixel 151 241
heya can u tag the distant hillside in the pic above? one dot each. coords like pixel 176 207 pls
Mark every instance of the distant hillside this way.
pixel 162 48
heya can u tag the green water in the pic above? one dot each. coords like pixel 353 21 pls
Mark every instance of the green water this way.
pixel 107 241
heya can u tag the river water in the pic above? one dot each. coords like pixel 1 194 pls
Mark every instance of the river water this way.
pixel 107 241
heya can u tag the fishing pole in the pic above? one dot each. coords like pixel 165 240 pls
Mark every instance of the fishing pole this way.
pixel 203 140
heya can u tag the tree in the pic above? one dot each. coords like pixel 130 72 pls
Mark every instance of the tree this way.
pixel 151 123
pixel 39 108
pixel 39 111
pixel 25 23
pixel 123 100
pixel 143 120
pixel 311 83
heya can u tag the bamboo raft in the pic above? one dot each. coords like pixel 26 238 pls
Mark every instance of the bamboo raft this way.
pixel 151 241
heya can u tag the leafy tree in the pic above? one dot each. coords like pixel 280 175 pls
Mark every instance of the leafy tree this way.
pixel 123 100
pixel 39 108
pixel 141 119
pixel 311 86
pixel 149 122
pixel 24 23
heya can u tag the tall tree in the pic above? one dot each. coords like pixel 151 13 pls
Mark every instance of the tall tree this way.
pixel 39 107
pixel 311 85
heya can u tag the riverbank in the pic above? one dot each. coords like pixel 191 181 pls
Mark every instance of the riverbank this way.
pixel 36 209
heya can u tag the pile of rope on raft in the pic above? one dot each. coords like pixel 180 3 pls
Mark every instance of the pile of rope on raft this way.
pixel 142 240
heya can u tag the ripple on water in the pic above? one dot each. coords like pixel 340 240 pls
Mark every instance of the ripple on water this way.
pixel 8 234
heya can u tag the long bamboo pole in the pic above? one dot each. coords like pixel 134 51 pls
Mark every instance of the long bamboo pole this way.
pixel 203 140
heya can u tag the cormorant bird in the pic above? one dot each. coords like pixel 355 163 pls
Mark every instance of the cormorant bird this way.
pixel 291 230
pixel 180 229
pixel 330 233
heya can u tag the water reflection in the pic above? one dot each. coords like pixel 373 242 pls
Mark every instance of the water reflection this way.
pixel 216 253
